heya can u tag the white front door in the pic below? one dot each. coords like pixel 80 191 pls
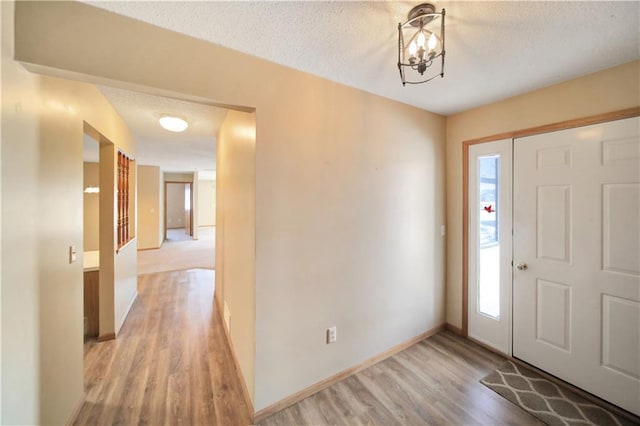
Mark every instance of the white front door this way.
pixel 489 230
pixel 576 293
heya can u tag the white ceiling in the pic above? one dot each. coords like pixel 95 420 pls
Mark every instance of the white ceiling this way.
pixel 193 149
pixel 495 50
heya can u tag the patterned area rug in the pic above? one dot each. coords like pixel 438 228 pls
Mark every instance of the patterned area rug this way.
pixel 553 404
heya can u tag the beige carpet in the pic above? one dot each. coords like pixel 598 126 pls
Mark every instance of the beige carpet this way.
pixel 178 255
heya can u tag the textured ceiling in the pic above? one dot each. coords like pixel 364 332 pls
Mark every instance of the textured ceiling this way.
pixel 193 149
pixel 495 50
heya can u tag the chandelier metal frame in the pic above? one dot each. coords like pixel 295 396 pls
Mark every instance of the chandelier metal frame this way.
pixel 419 20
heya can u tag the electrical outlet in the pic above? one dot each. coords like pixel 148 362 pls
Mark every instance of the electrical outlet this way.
pixel 332 335
pixel 73 254
pixel 442 230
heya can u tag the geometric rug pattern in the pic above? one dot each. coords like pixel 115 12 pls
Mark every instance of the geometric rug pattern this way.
pixel 552 404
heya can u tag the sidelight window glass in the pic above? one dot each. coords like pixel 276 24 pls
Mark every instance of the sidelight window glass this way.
pixel 488 236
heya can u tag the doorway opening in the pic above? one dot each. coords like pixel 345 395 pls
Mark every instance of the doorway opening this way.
pixel 178 211
pixel 187 160
pixel 91 236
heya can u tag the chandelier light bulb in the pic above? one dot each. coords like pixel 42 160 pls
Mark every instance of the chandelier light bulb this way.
pixel 413 49
pixel 421 39
pixel 433 41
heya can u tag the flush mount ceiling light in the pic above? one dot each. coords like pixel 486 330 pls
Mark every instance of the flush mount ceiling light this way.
pixel 173 124
pixel 421 44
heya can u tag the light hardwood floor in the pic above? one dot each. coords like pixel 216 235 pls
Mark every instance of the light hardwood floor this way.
pixel 171 365
pixel 435 382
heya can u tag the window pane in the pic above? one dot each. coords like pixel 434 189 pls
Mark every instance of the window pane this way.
pixel 488 196
pixel 187 197
pixel 488 238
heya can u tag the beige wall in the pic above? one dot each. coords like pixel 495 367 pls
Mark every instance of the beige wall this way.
pixel 178 177
pixel 108 161
pixel 350 200
pixel 609 90
pixel 235 282
pixel 206 202
pixel 118 266
pixel 20 281
pixel 349 189
pixel 126 284
pixel 91 208
pixel 175 205
pixel 42 149
pixel 149 207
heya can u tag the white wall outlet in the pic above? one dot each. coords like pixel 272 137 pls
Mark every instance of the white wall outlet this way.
pixel 332 334
pixel 227 316
pixel 442 230
pixel 73 254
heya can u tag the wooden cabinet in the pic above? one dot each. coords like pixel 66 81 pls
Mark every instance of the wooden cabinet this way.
pixel 91 300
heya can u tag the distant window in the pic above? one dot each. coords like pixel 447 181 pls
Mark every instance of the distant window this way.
pixel 187 197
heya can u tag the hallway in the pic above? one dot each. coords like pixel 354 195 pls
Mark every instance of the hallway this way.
pixel 170 364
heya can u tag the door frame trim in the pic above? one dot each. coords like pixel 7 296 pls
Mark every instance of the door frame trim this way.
pixel 546 128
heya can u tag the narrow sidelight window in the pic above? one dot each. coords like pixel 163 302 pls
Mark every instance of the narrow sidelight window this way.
pixel 488 237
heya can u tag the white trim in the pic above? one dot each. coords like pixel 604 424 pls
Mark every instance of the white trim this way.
pixel 493 332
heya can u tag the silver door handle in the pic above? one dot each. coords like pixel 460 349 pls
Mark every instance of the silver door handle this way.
pixel 522 266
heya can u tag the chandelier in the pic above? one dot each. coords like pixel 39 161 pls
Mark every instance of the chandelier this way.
pixel 421 45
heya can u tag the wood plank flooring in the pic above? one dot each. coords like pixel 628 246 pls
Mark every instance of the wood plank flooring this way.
pixel 435 382
pixel 170 364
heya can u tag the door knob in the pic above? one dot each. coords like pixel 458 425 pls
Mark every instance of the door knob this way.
pixel 522 266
